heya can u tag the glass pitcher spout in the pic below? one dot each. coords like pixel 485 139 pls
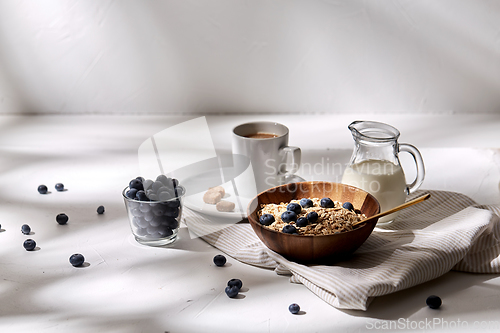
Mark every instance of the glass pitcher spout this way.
pixel 374 141
pixel 373 131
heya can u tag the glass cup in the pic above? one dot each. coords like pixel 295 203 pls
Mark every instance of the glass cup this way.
pixel 155 223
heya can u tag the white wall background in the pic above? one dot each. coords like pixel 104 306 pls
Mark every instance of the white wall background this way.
pixel 220 56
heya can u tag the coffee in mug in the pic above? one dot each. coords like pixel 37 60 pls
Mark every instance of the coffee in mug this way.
pixel 263 146
pixel 261 135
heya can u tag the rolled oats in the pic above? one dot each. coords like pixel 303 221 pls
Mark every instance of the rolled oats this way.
pixel 330 221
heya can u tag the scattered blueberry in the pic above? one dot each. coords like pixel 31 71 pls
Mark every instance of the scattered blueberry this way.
pixel 76 259
pixel 100 210
pixel 137 184
pixel 141 179
pixel 433 301
pixel 302 222
pixel 289 229
pixel 42 189
pixel 60 187
pixel 347 205
pixel 294 207
pixel 312 217
pixel 29 244
pixel 266 219
pixel 131 193
pixel 235 283
pixel 306 203
pixel 62 218
pixel 294 308
pixel 327 203
pixel 288 216
pixel 25 229
pixel 141 196
pixel 231 292
pixel 219 260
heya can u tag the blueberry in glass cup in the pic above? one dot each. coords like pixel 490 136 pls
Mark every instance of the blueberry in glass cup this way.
pixel 154 209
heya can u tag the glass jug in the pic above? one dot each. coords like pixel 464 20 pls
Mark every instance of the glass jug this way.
pixel 375 167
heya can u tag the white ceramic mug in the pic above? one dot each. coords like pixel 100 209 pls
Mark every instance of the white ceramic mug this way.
pixel 271 159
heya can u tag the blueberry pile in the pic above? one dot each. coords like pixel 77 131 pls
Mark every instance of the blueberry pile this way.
pixel 233 287
pixel 156 206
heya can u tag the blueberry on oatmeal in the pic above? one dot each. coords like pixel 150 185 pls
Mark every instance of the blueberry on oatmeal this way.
pixel 266 219
pixel 302 222
pixel 294 207
pixel 327 203
pixel 312 217
pixel 289 229
pixel 347 205
pixel 289 216
pixel 306 203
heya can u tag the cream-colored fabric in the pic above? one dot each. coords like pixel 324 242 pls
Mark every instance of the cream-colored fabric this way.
pixel 448 231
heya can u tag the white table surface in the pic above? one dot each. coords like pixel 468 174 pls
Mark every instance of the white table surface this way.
pixel 128 287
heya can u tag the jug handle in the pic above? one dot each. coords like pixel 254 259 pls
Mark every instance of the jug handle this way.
pixel 419 164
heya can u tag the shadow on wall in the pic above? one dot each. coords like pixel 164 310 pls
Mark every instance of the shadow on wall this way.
pixel 244 57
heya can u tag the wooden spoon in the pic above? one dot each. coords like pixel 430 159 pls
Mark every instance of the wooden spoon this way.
pixel 395 209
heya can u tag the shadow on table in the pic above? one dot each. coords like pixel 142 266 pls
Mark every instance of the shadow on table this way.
pixel 405 303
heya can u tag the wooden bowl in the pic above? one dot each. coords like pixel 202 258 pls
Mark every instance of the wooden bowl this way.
pixel 320 248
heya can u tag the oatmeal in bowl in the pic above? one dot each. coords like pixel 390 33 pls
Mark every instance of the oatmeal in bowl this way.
pixel 310 216
pixel 313 221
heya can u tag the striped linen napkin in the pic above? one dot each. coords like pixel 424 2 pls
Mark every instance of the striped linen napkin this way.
pixel 447 232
